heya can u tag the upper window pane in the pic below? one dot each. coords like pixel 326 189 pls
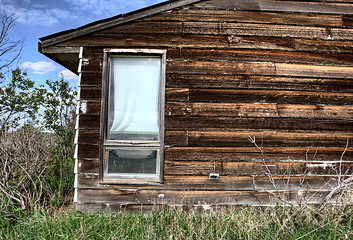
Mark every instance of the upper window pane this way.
pixel 134 98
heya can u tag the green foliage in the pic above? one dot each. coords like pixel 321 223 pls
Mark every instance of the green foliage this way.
pixel 249 223
pixel 19 100
pixel 59 113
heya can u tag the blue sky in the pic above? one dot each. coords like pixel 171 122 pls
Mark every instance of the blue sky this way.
pixel 39 18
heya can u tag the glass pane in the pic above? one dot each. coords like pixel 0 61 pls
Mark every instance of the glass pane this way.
pixel 134 98
pixel 127 161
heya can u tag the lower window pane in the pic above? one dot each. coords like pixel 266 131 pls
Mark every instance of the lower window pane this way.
pixel 132 161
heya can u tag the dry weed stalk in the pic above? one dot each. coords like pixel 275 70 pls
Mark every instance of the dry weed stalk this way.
pixel 341 188
pixel 24 157
pixel 269 174
pixel 337 197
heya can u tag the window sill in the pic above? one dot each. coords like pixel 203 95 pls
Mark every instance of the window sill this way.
pixel 154 182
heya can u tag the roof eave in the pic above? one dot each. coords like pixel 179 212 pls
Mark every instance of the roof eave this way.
pixel 114 21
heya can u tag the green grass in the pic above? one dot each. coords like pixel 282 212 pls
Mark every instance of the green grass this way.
pixel 249 223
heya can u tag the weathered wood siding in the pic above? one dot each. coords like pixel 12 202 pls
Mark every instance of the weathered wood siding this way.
pixel 278 71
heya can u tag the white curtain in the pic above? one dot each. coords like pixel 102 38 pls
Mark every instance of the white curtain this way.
pixel 135 94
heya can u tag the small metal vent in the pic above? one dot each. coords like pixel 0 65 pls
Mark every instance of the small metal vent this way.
pixel 213 176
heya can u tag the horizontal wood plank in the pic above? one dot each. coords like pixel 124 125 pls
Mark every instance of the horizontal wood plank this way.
pixel 126 196
pixel 240 55
pixel 258 110
pixel 90 93
pixel 312 7
pixel 247 16
pixel 210 41
pixel 313 71
pixel 89 121
pixel 322 45
pixel 259 123
pixel 177 94
pixel 328 7
pixel 242 183
pixel 283 169
pixel 88 151
pixel 91 79
pixel 254 29
pixel 213 67
pixel 257 96
pixel 92 65
pixel 89 167
pixel 264 139
pixel 88 136
pixel 258 82
pixel 251 153
pixel 230 28
pixel 255 68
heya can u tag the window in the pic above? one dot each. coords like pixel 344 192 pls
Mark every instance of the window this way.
pixel 132 116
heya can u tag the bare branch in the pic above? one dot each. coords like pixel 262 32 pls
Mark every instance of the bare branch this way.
pixel 8 46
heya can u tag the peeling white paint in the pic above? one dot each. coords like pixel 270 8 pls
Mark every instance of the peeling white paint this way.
pixel 83 107
pixel 85 62
pixel 207 207
pixel 324 165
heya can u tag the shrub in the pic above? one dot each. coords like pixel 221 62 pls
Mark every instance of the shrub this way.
pixel 35 169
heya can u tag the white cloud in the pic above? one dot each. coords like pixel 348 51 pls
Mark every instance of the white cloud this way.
pixel 32 14
pixel 68 75
pixel 106 8
pixel 41 67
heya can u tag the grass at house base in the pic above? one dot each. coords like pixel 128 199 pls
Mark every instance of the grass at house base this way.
pixel 301 222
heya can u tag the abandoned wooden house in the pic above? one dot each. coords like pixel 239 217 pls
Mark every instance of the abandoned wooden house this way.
pixel 212 103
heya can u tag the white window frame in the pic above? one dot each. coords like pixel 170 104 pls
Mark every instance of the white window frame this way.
pixel 106 145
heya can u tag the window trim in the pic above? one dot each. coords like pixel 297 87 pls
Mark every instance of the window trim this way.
pixel 109 144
